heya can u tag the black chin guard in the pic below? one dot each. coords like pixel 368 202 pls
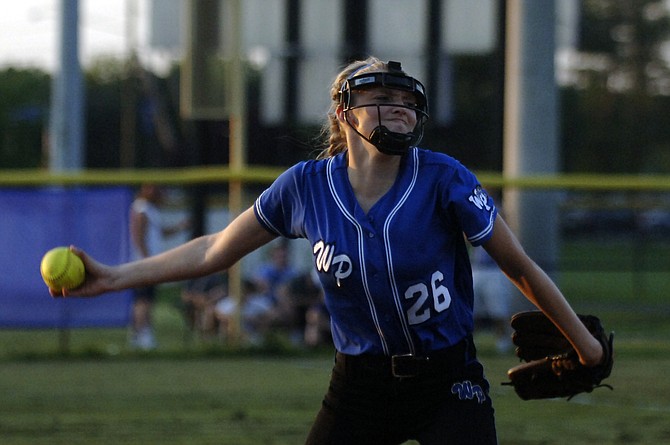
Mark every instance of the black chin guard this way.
pixel 392 143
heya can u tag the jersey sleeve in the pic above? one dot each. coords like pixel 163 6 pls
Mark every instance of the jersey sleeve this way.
pixel 474 208
pixel 280 208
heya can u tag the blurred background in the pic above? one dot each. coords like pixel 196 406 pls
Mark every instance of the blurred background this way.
pixel 610 64
pixel 560 107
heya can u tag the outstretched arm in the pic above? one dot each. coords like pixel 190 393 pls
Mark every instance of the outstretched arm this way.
pixel 198 257
pixel 538 287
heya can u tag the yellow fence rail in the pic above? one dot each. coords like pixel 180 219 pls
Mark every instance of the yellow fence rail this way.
pixel 263 174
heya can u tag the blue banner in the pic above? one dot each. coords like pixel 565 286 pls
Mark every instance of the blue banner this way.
pixel 33 221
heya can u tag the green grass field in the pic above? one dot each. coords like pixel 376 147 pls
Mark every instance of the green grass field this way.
pixel 256 400
pixel 218 397
pixel 193 392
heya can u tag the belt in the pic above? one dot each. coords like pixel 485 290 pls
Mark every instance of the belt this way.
pixel 448 360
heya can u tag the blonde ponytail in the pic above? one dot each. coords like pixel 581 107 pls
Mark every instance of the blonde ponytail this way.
pixel 332 132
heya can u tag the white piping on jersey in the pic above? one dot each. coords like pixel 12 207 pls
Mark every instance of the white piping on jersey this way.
pixel 259 210
pixel 389 257
pixel 361 254
pixel 473 239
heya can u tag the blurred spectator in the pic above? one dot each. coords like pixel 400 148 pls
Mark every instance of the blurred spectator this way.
pixel 314 320
pixel 259 315
pixel 274 274
pixel 270 306
pixel 493 297
pixel 225 311
pixel 278 299
pixel 200 297
pixel 147 231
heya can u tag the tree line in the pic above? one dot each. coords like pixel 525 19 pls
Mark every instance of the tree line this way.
pixel 613 108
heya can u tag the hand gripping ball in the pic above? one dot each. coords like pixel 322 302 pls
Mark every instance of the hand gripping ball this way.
pixel 62 269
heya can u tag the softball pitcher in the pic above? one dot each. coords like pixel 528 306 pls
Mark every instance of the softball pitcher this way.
pixel 388 224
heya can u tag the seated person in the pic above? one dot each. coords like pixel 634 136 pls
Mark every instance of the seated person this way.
pixel 199 298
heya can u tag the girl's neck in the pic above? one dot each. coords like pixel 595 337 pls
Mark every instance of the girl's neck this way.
pixel 371 175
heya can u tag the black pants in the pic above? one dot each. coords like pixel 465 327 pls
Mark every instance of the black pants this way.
pixel 369 406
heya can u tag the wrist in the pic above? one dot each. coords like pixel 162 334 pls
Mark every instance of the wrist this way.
pixel 594 356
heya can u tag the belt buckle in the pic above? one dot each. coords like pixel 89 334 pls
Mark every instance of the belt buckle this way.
pixel 407 365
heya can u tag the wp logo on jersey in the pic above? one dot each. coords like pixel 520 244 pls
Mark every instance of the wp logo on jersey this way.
pixel 480 198
pixel 325 259
pixel 466 390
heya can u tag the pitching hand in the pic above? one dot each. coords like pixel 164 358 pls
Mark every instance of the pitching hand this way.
pixel 98 279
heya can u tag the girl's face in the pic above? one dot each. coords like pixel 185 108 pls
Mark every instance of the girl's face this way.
pixel 386 105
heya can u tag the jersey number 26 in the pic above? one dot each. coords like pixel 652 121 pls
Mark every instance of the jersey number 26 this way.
pixel 420 311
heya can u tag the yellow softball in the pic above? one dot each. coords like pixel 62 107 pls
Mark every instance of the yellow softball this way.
pixel 62 269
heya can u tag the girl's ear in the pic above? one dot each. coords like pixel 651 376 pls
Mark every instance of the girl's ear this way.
pixel 350 118
pixel 340 113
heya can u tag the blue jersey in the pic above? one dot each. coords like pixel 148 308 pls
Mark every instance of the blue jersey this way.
pixel 398 279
